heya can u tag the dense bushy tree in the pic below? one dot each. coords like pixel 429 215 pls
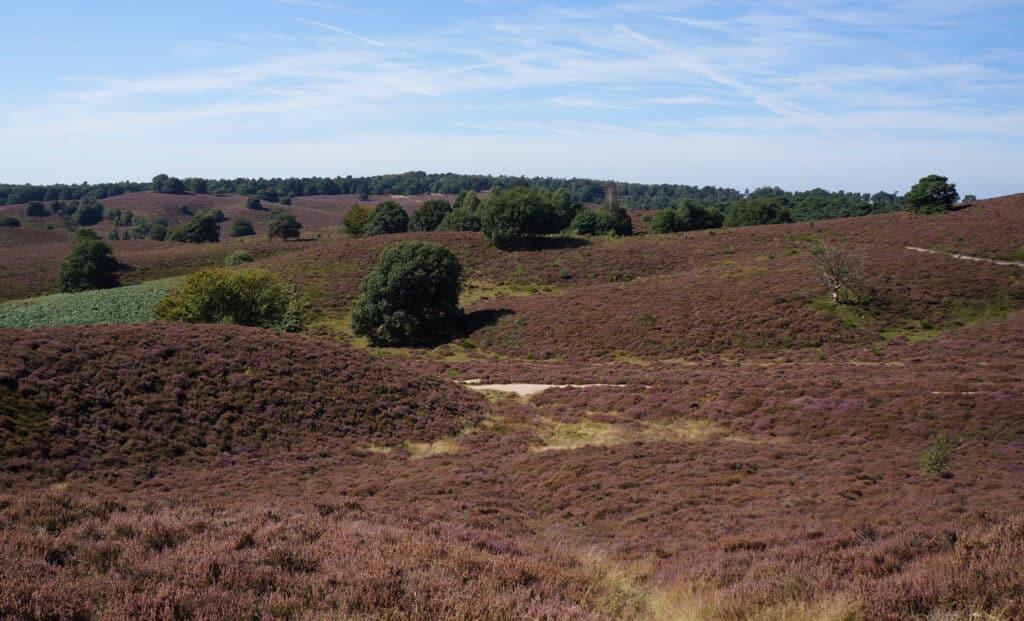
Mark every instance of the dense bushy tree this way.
pixel 932 194
pixel 614 220
pixel 411 296
pixel 387 217
pixel 268 194
pixel 88 212
pixel 282 224
pixel 460 219
pixel 585 222
pixel 11 221
pixel 356 221
pixel 970 198
pixel 89 264
pixel 430 215
pixel 252 297
pixel 253 203
pixel 200 229
pixel 240 227
pixel 196 185
pixel 754 211
pixel 218 215
pixel 511 217
pixel 36 209
pixel 685 216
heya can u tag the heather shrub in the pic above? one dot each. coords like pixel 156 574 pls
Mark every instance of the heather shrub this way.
pixel 240 227
pixel 11 221
pixel 935 459
pixel 412 295
pixel 356 220
pixel 90 264
pixel 387 217
pixel 252 297
pixel 237 258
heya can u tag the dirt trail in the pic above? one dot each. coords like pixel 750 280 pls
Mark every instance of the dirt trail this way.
pixel 528 390
pixel 966 257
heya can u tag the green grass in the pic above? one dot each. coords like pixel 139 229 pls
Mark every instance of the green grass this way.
pixel 131 304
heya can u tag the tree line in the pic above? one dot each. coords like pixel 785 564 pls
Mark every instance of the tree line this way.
pixel 810 205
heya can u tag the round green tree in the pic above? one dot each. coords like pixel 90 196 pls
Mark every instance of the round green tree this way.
pixel 240 227
pixel 202 228
pixel 89 264
pixel 387 217
pixel 932 194
pixel 282 224
pixel 411 297
pixel 460 219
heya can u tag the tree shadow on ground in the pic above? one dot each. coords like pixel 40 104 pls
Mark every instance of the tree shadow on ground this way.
pixel 551 243
pixel 470 323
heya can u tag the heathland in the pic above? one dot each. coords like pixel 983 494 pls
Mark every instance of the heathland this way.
pixel 744 446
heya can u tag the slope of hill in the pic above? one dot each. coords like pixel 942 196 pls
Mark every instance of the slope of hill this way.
pixel 134 395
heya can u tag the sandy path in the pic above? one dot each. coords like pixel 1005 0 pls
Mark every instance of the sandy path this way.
pixel 966 257
pixel 527 390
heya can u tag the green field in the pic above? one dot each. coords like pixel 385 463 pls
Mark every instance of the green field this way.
pixel 131 304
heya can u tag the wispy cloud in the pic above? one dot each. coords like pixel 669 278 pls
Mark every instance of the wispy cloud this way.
pixel 340 30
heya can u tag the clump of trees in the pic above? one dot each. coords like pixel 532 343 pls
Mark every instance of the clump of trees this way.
pixel 511 218
pixel 253 203
pixel 932 194
pixel 464 215
pixel 387 218
pixel 11 221
pixel 686 216
pixel 356 220
pixel 89 264
pixel 240 227
pixel 253 297
pixel 842 271
pixel 168 185
pixel 282 224
pixel 757 211
pixel 411 296
pixel 202 228
pixel 430 215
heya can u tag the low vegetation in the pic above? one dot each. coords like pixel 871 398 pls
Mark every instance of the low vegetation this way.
pixel 252 297
pixel 129 304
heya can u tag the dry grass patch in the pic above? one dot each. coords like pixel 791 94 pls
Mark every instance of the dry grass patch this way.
pixel 556 435
pixel 444 446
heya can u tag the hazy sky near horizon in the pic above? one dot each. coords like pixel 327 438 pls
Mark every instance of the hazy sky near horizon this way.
pixel 861 96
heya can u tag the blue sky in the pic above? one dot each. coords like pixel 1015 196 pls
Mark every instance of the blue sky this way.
pixel 842 95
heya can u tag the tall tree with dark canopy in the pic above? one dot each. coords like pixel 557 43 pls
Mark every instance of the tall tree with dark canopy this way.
pixel 756 211
pixel 411 297
pixel 932 194
pixel 89 264
pixel 200 229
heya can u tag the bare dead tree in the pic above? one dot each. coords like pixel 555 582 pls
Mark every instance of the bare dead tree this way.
pixel 843 271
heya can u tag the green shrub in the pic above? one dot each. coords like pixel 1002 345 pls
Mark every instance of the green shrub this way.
pixel 89 264
pixel 36 209
pixel 253 297
pixel 585 222
pixel 200 229
pixel 282 224
pixel 935 458
pixel 430 215
pixel 240 227
pixel 460 219
pixel 411 296
pixel 356 220
pixel 237 258
pixel 387 217
pixel 11 221
pixel 253 203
